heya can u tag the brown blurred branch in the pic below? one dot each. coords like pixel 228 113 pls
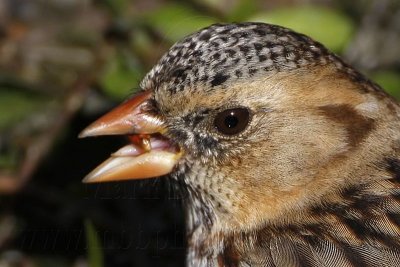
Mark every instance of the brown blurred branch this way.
pixel 375 44
pixel 40 146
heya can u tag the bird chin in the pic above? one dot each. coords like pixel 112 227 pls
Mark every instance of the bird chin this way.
pixel 147 156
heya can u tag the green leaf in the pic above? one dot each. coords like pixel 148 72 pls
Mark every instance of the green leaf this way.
pixel 177 21
pixel 121 76
pixel 389 80
pixel 15 105
pixel 328 26
pixel 95 253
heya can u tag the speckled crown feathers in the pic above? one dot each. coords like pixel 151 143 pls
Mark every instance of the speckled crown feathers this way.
pixel 222 53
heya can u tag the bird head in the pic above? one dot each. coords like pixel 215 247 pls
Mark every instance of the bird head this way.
pixel 255 121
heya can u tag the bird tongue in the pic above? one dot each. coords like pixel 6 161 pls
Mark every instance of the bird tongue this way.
pixel 141 144
pixel 146 157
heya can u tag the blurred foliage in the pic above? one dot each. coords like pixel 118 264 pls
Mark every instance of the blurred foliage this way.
pixel 95 254
pixel 389 80
pixel 328 26
pixel 185 21
pixel 121 75
pixel 63 63
pixel 16 105
pixel 242 11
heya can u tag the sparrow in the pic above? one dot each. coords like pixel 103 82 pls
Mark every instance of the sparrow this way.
pixel 288 155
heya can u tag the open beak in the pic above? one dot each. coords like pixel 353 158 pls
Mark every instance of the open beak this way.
pixel 149 154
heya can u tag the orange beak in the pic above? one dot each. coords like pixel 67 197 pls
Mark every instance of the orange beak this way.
pixel 149 155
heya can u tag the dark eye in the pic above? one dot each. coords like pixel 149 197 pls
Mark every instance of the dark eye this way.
pixel 232 121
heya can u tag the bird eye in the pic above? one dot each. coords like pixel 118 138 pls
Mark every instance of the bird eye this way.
pixel 232 121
